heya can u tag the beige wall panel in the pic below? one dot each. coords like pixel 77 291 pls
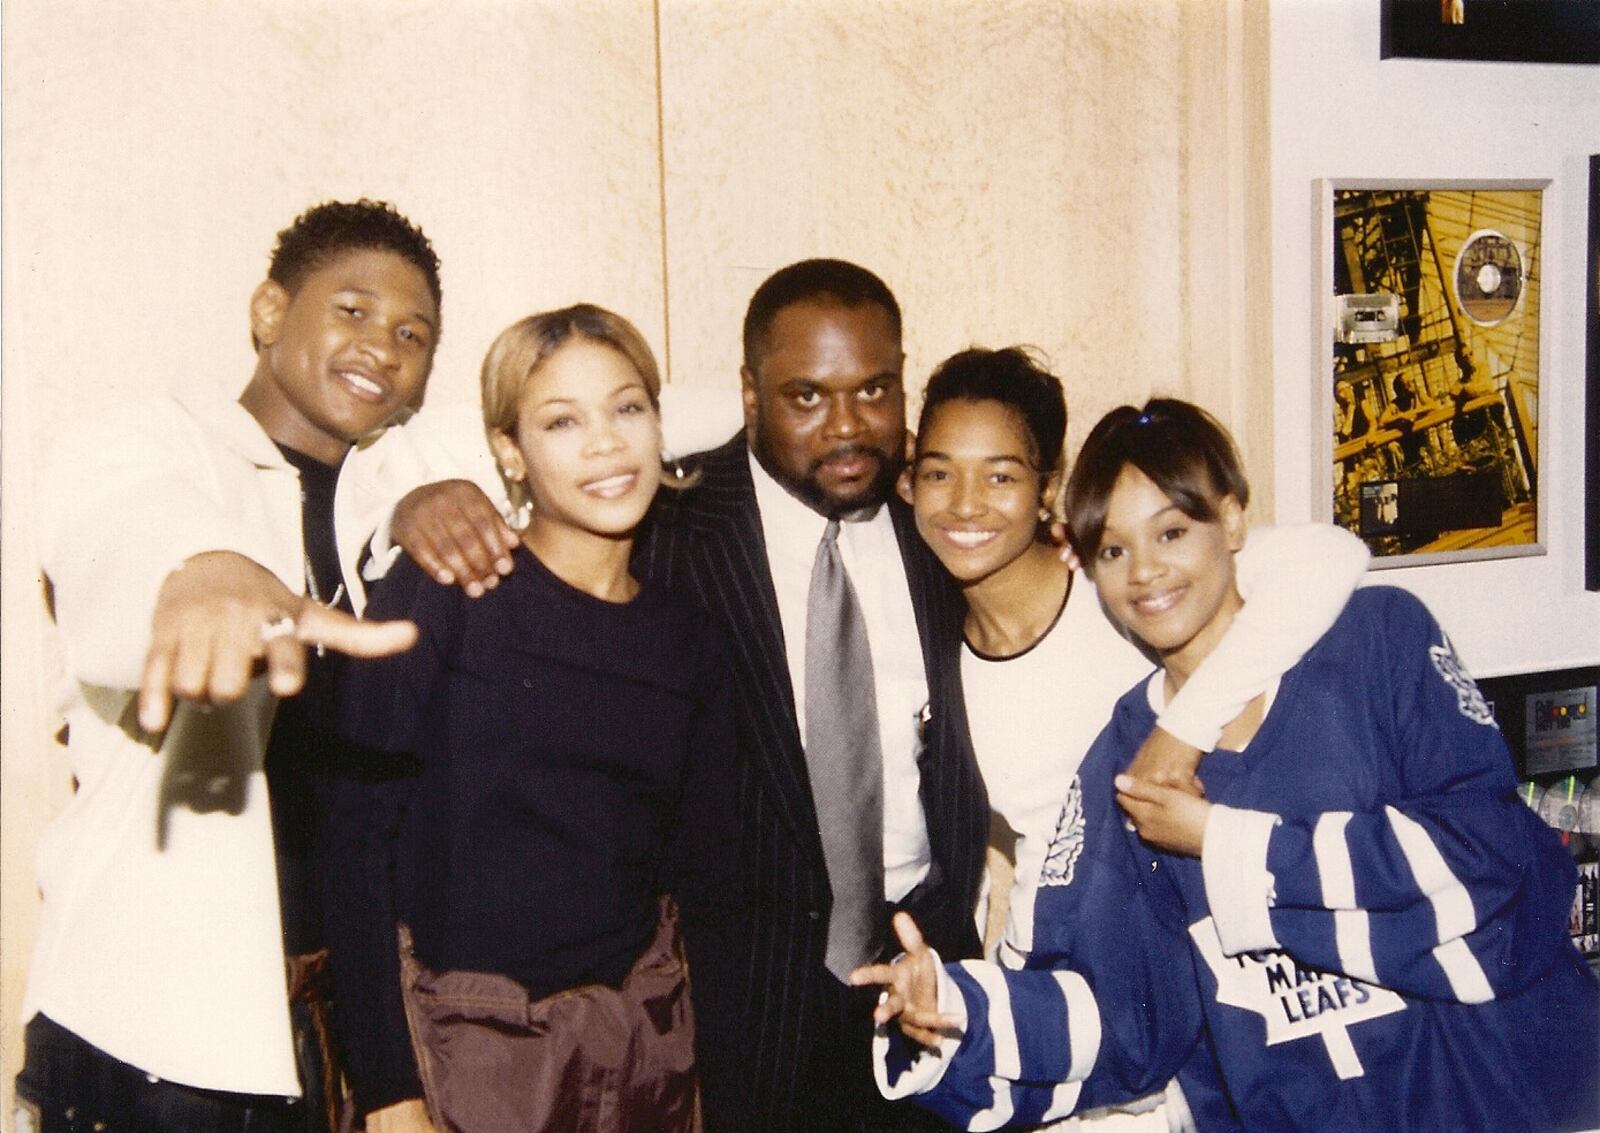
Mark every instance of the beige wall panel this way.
pixel 154 149
pixel 1015 170
pixel 1223 253
pixel 151 152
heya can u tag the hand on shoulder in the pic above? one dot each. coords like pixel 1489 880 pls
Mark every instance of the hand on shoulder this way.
pixel 1166 760
pixel 455 533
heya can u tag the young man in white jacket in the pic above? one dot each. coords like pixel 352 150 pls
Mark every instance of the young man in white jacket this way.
pixel 186 551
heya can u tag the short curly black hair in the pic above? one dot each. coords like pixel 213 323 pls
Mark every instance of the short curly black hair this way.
pixel 828 281
pixel 333 227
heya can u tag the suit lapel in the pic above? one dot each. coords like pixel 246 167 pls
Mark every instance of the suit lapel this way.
pixel 929 586
pixel 728 567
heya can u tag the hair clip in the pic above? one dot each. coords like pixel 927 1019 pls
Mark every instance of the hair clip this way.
pixel 1144 419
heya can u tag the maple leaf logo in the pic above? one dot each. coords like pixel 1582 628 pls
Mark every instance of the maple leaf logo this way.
pixel 1295 1002
pixel 1066 846
pixel 1468 698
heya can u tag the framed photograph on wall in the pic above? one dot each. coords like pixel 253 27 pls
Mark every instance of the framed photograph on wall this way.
pixel 1428 366
pixel 1509 31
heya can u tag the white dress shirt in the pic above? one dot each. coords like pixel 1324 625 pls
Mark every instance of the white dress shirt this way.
pixel 872 557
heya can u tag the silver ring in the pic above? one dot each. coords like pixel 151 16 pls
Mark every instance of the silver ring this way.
pixel 280 627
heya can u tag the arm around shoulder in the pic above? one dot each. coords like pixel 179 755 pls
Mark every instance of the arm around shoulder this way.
pixel 1443 884
pixel 1295 582
pixel 429 488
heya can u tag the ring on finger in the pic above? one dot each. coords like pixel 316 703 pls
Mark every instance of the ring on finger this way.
pixel 278 627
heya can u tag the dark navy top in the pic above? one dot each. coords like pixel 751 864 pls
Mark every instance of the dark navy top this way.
pixel 566 760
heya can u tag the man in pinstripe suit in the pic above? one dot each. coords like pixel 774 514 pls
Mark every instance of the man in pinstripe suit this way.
pixel 824 438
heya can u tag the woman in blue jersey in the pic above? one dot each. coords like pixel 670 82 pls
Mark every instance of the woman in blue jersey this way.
pixel 1358 927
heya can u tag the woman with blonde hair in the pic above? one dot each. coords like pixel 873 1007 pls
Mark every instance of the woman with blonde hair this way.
pixel 570 796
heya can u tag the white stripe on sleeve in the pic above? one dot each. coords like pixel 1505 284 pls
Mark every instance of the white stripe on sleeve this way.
pixel 1352 935
pixel 1063 1100
pixel 1452 904
pixel 1083 1024
pixel 1454 916
pixel 1461 968
pixel 1351 932
pixel 1333 861
pixel 1003 1033
pixel 1239 887
pixel 1083 1039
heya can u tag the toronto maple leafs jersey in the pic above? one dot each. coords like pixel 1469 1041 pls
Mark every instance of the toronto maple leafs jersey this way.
pixel 1375 937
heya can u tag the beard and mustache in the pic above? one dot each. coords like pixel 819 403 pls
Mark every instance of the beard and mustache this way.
pixel 809 490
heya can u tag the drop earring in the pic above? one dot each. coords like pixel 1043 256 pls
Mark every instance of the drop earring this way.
pixel 521 514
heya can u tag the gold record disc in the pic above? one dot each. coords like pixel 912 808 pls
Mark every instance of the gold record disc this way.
pixel 1488 277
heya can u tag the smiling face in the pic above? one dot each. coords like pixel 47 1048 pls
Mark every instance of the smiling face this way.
pixel 976 488
pixel 342 355
pixel 1166 576
pixel 587 443
pixel 825 407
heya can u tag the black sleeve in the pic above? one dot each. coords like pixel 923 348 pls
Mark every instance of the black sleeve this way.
pixel 703 874
pixel 365 819
pixel 384 698
pixel 385 702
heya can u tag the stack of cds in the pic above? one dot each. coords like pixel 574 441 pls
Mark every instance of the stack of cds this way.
pixel 1573 811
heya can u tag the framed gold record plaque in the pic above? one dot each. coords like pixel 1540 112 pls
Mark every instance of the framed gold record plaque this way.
pixel 1428 366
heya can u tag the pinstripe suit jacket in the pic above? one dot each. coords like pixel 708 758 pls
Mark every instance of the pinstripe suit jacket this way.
pixel 709 541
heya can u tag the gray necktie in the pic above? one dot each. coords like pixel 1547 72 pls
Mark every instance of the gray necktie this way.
pixel 844 757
